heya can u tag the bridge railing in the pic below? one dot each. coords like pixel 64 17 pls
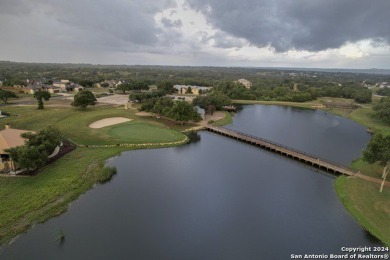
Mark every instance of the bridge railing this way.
pixel 222 129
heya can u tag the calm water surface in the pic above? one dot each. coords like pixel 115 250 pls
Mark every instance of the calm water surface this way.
pixel 215 198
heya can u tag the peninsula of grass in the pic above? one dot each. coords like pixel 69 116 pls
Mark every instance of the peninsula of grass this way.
pixel 228 119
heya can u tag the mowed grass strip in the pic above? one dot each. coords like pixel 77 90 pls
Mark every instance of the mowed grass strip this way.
pixel 135 132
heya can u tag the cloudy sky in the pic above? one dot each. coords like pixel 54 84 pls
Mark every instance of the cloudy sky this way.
pixel 271 33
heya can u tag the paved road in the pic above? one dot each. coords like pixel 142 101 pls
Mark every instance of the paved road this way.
pixel 114 99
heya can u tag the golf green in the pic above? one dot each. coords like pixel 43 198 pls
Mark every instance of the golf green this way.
pixel 144 133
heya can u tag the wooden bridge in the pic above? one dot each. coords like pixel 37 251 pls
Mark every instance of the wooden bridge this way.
pixel 291 153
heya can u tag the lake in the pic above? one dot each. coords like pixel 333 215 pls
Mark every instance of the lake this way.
pixel 215 198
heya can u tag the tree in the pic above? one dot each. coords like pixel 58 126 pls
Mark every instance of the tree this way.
pixel 166 86
pixel 28 157
pixel 378 150
pixel 182 112
pixel 123 87
pixel 362 96
pixel 40 96
pixel 45 140
pixel 210 109
pixel 216 99
pixel 83 99
pixel 48 82
pixel 189 90
pixel 384 92
pixel 382 109
pixel 139 85
pixel 34 153
pixel 6 94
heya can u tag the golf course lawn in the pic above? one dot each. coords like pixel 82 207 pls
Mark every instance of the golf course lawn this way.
pixel 74 125
pixel 142 132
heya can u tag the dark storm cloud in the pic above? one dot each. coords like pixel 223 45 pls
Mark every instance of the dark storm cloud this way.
pixel 312 25
pixel 118 20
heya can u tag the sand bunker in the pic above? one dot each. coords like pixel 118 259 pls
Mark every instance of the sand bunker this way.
pixel 143 114
pixel 109 121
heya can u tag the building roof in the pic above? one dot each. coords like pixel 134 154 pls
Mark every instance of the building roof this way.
pixel 193 87
pixel 10 138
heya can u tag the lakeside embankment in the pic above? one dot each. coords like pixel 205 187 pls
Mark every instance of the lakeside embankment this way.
pixel 362 199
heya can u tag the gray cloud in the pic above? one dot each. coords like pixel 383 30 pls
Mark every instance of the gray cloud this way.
pixel 127 32
pixel 118 20
pixel 171 23
pixel 299 24
pixel 222 40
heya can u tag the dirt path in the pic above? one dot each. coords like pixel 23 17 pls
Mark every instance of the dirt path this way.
pixel 215 117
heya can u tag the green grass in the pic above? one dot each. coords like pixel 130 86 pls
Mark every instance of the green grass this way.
pixel 228 119
pixel 368 206
pixel 365 116
pixel 143 132
pixel 373 170
pixel 73 123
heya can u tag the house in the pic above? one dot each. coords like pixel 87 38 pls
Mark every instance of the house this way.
pixel 76 87
pixel 245 82
pixel 30 89
pixel 9 138
pixel 384 85
pixel 63 84
pixel 51 89
pixel 112 83
pixel 196 90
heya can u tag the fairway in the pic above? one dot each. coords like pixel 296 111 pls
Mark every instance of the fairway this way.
pixel 143 132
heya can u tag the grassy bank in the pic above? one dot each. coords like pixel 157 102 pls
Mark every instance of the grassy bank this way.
pixel 310 104
pixel 368 206
pixel 228 119
pixel 27 200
